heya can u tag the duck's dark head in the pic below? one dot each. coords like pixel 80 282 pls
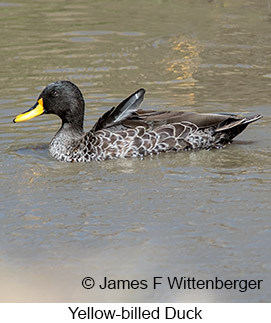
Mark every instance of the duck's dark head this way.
pixel 62 98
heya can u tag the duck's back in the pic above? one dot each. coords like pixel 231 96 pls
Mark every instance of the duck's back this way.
pixel 149 132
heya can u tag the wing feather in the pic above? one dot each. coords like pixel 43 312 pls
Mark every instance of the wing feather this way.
pixel 122 112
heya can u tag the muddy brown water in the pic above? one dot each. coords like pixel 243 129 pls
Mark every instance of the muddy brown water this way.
pixel 202 214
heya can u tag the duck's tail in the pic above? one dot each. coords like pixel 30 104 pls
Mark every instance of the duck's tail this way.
pixel 234 127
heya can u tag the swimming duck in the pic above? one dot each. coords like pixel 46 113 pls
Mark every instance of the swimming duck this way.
pixel 126 130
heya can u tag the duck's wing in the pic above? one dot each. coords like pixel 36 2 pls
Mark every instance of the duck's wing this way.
pixel 120 113
pixel 128 115
pixel 200 120
pixel 224 126
pixel 218 121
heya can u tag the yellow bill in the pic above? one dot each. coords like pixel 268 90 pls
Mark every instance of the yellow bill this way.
pixel 35 111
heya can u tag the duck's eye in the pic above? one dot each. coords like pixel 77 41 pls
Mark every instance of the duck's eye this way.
pixel 54 94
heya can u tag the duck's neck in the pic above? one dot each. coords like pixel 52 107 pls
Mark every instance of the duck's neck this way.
pixel 72 129
pixel 65 141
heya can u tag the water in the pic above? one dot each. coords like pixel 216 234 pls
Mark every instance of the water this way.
pixel 194 214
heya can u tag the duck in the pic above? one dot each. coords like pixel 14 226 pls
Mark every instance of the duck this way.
pixel 126 130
